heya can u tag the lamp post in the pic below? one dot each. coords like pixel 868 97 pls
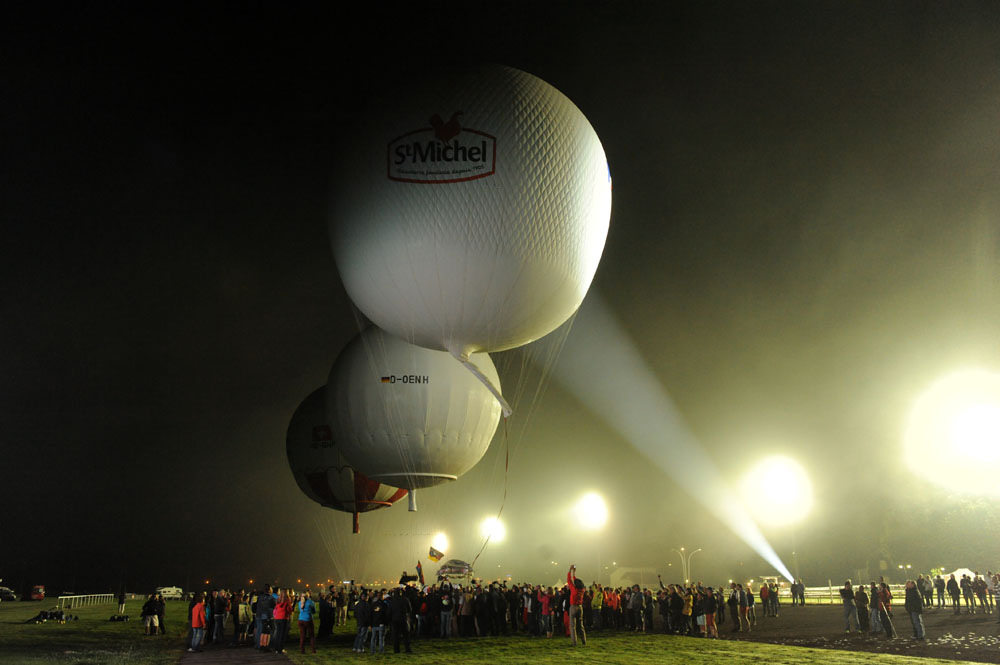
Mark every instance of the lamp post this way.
pixel 686 562
pixel 689 562
pixel 680 553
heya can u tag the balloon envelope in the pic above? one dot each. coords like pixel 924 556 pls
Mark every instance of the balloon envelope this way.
pixel 407 415
pixel 454 568
pixel 319 469
pixel 471 210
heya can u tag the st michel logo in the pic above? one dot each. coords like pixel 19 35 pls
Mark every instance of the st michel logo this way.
pixel 441 153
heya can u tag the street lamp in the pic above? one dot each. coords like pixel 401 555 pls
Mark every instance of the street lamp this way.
pixel 690 556
pixel 686 562
pixel 680 553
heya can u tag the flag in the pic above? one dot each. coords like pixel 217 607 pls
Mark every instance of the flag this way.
pixel 434 555
pixel 420 573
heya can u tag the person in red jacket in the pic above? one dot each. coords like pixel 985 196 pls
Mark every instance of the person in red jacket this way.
pixel 576 591
pixel 282 612
pixel 197 622
pixel 546 599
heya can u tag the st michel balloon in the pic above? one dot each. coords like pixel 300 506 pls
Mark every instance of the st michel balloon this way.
pixel 469 213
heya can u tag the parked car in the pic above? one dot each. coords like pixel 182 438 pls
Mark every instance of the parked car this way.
pixel 170 592
pixel 38 592
pixel 7 595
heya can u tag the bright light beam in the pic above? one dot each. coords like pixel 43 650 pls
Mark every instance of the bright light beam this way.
pixel 603 369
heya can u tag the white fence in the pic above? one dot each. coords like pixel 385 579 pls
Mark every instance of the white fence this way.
pixel 830 595
pixel 70 602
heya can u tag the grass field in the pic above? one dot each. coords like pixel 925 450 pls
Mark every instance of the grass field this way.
pixel 619 648
pixel 93 640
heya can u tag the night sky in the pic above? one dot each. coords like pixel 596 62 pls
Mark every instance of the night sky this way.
pixel 805 233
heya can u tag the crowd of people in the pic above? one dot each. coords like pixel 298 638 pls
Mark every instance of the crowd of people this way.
pixel 870 610
pixel 260 618
pixel 475 609
pixel 478 610
pixel 445 610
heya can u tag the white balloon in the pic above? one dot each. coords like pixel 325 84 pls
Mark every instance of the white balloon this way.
pixel 472 210
pixel 321 472
pixel 409 416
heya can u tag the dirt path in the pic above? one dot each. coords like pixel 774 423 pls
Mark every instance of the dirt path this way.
pixel 226 656
pixel 955 637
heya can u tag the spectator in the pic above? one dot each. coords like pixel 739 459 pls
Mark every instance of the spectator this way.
pixel 850 609
pixel 197 622
pixel 979 588
pixel 307 608
pixel 744 602
pixel 362 615
pixel 914 606
pixel 281 614
pixel 328 613
pixel 939 586
pixel 399 611
pixel 161 609
pixel 880 599
pixel 377 612
pixel 234 614
pixel 954 592
pixel 861 602
pixel 150 621
pixel 220 610
pixel 634 609
pixel 576 594
pixel 711 607
pixel 734 607
pixel 447 607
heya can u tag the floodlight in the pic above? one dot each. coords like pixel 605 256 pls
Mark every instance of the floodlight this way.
pixel 440 542
pixel 591 511
pixel 777 491
pixel 493 529
pixel 952 436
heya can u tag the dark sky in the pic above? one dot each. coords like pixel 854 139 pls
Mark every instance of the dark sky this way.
pixel 805 233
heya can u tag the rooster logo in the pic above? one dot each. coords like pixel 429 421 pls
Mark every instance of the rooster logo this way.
pixel 446 131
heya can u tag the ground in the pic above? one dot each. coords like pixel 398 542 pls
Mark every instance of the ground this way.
pixel 948 636
pixel 812 634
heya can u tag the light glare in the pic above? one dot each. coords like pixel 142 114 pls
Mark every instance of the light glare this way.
pixel 591 511
pixel 493 529
pixel 952 435
pixel 440 542
pixel 975 430
pixel 778 491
